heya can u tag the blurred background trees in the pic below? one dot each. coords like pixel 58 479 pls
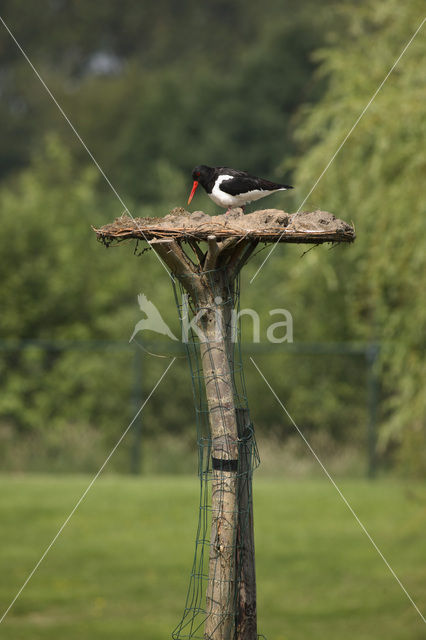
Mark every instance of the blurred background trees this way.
pixel 153 89
pixel 377 181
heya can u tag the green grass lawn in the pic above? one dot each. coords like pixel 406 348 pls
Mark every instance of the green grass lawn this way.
pixel 120 568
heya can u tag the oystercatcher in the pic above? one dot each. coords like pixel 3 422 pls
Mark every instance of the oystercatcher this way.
pixel 231 188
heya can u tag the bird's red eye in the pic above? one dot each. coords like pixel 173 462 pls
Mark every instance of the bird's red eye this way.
pixel 198 174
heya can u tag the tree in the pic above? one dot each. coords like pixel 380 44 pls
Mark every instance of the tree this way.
pixel 376 181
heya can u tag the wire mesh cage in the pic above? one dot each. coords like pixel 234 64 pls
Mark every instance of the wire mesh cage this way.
pixel 230 462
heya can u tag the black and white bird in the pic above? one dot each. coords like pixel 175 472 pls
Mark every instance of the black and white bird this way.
pixel 230 188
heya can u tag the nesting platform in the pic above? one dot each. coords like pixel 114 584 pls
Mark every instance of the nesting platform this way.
pixel 266 225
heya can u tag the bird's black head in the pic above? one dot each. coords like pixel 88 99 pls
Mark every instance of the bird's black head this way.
pixel 202 174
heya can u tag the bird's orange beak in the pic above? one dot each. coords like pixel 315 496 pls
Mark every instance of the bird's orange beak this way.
pixel 194 187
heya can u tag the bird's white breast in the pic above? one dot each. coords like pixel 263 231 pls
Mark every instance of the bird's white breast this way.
pixel 220 197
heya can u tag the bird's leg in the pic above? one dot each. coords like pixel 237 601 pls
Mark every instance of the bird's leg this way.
pixel 229 209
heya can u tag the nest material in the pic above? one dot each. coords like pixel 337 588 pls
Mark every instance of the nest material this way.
pixel 267 225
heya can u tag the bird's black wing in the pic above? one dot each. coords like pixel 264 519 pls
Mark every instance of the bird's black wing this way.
pixel 245 183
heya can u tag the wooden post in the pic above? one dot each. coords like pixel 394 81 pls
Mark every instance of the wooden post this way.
pixel 231 575
pixel 216 362
pixel 246 592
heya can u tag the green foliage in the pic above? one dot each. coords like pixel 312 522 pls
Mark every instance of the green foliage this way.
pixel 47 275
pixel 182 83
pixel 155 88
pixel 51 279
pixel 376 182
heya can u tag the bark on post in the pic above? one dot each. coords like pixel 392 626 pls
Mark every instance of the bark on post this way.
pixel 216 362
